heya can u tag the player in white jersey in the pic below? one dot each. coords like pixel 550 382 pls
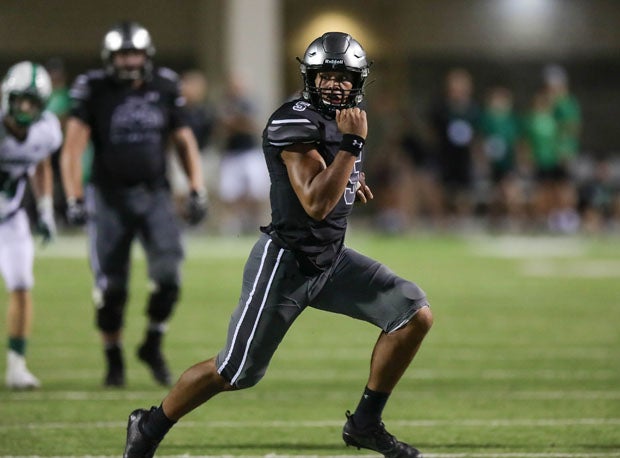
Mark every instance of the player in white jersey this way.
pixel 28 136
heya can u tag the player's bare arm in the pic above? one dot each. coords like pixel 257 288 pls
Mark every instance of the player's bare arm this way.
pixel 187 150
pixel 42 180
pixel 319 187
pixel 76 141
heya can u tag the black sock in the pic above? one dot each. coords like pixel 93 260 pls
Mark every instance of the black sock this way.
pixel 114 355
pixel 370 408
pixel 152 339
pixel 156 424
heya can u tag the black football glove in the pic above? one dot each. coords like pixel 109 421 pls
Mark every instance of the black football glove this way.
pixel 196 207
pixel 76 212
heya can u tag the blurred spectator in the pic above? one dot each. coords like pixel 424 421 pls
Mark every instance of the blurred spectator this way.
pixel 599 198
pixel 387 167
pixel 201 119
pixel 499 133
pixel 59 102
pixel 540 141
pixel 566 110
pixel 426 193
pixel 454 118
pixel 194 87
pixel 567 113
pixel 243 179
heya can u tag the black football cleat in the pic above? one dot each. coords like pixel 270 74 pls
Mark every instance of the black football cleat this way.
pixel 114 378
pixel 153 358
pixel 138 444
pixel 376 438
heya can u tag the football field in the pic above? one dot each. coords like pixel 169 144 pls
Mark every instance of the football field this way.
pixel 523 360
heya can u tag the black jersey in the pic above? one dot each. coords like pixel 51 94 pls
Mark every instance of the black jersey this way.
pixel 317 241
pixel 129 127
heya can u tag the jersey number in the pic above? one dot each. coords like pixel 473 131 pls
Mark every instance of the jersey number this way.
pixel 351 189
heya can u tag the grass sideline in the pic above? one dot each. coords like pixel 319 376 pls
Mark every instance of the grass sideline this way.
pixel 523 361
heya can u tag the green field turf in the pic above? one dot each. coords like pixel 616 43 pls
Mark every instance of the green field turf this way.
pixel 523 360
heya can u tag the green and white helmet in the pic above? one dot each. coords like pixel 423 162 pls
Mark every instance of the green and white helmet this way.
pixel 29 80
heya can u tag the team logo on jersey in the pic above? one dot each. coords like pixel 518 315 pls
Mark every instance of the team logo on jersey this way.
pixel 152 96
pixel 136 121
pixel 301 106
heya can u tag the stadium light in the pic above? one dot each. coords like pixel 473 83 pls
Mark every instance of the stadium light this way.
pixel 334 22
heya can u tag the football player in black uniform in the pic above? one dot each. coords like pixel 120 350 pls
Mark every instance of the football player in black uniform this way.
pixel 130 110
pixel 313 147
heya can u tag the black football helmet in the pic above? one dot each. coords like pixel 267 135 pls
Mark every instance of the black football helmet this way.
pixel 125 36
pixel 334 51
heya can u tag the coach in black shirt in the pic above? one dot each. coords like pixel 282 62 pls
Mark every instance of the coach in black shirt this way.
pixel 130 110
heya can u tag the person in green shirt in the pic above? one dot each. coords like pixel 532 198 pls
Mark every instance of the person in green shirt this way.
pixel 499 132
pixel 566 110
pixel 554 205
pixel 567 113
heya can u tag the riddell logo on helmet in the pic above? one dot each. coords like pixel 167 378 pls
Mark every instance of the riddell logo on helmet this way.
pixel 334 61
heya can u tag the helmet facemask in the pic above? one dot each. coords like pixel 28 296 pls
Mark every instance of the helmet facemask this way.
pixel 330 99
pixel 25 108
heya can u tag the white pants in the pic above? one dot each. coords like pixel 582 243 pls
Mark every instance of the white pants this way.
pixel 243 175
pixel 17 252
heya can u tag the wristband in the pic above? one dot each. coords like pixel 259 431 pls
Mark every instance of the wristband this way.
pixel 352 143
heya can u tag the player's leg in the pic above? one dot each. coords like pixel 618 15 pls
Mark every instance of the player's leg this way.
pixel 272 296
pixel 110 240
pixel 161 238
pixel 16 263
pixel 364 288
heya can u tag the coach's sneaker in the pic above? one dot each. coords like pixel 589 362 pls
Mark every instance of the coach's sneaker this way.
pixel 138 444
pixel 18 377
pixel 153 358
pixel 376 438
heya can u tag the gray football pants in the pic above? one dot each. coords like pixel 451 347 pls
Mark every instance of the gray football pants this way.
pixel 274 293
pixel 116 218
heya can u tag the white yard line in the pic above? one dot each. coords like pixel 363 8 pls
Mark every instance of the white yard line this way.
pixel 418 374
pixel 361 455
pixel 523 247
pixel 584 395
pixel 489 423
